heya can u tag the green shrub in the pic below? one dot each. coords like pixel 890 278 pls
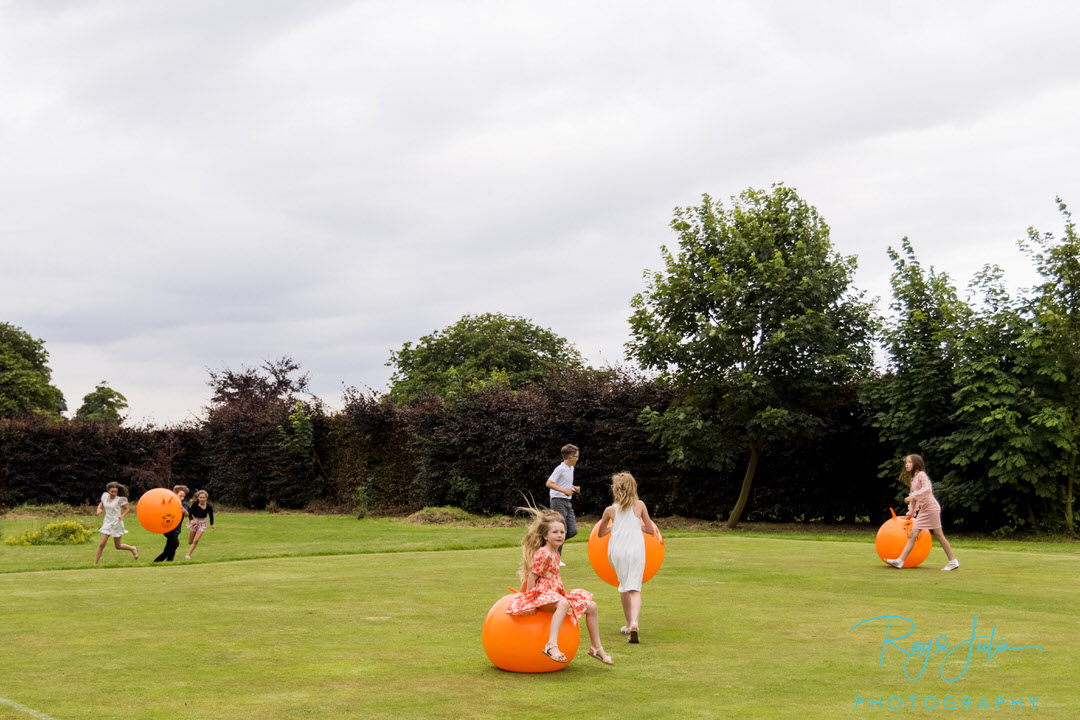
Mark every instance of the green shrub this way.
pixel 362 508
pixel 441 516
pixel 463 492
pixel 23 539
pixel 449 515
pixel 63 532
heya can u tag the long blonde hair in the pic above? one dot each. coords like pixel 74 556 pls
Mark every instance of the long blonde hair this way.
pixel 917 466
pixel 624 490
pixel 543 519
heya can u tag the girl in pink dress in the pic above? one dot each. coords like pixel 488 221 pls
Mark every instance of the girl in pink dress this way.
pixel 543 588
pixel 924 508
pixel 201 514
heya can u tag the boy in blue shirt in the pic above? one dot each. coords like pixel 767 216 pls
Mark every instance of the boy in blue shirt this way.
pixel 172 538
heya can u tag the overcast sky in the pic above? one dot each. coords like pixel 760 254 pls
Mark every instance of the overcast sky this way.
pixel 201 184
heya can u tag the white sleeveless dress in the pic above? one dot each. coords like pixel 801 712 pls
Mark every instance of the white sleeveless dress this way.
pixel 113 525
pixel 626 549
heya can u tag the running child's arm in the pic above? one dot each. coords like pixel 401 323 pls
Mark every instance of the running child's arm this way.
pixel 210 513
pixel 551 484
pixel 99 508
pixel 604 528
pixel 923 483
pixel 126 510
pixel 650 526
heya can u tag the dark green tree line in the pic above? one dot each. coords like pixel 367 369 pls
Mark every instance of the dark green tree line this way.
pixel 988 391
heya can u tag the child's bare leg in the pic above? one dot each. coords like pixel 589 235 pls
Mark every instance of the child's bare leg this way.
pixel 635 608
pixel 627 611
pixel 596 648
pixel 130 548
pixel 557 617
pixel 592 621
pixel 194 543
pixel 944 544
pixel 910 544
pixel 100 547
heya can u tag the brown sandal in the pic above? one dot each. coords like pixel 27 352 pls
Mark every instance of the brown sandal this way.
pixel 550 652
pixel 600 655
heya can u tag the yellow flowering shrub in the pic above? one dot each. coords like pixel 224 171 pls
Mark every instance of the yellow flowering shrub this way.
pixel 63 532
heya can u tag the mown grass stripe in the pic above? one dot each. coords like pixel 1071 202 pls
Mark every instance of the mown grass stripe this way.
pixel 22 708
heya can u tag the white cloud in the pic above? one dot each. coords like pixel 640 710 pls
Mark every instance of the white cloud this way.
pixel 196 184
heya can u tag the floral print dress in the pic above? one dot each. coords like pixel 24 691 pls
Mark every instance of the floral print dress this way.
pixel 548 589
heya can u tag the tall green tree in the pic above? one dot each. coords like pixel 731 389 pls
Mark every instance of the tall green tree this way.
pixel 912 404
pixel 1015 443
pixel 999 460
pixel 478 349
pixel 755 321
pixel 1056 337
pixel 25 378
pixel 103 404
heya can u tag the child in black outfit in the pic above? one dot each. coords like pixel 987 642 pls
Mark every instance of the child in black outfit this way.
pixel 172 538
pixel 200 511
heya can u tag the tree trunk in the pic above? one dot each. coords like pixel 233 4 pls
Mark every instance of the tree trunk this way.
pixel 744 494
pixel 1069 497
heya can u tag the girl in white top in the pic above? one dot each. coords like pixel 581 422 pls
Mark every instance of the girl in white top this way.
pixel 114 502
pixel 626 520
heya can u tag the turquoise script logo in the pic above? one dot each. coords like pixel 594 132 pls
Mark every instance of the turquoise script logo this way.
pixel 992 644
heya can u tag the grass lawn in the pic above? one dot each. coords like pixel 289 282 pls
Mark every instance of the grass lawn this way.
pixel 295 616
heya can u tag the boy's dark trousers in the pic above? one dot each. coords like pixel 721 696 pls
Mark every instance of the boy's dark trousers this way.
pixel 564 508
pixel 172 541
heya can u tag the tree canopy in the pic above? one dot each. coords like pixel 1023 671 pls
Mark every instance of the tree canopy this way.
pixel 755 322
pixel 271 384
pixel 478 349
pixel 25 377
pixel 1055 338
pixel 912 404
pixel 103 404
pixel 260 434
pixel 988 393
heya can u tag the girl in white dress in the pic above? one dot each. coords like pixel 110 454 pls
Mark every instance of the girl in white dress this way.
pixel 114 502
pixel 626 520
